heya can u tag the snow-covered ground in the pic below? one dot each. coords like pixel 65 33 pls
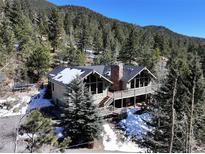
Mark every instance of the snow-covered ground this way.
pixel 135 125
pixel 24 103
pixel 38 101
pixel 112 143
pixel 58 131
pixel 17 109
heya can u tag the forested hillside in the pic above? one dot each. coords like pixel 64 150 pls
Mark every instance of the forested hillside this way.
pixel 65 33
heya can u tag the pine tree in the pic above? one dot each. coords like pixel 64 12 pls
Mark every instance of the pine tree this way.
pixel 42 25
pixel 97 42
pixel 80 119
pixel 168 135
pixel 195 83
pixel 6 41
pixel 128 53
pixel 55 27
pixel 38 62
pixel 24 35
pixel 105 58
pixel 84 41
pixel 72 56
pixel 39 131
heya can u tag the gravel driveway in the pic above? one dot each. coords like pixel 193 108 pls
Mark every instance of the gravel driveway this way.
pixel 8 127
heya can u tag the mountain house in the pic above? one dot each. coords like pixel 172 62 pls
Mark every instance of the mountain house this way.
pixel 112 86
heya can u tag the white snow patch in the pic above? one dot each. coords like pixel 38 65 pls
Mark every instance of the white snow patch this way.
pixel 111 143
pixel 25 104
pixel 67 75
pixel 9 99
pixel 135 124
pixel 52 74
pixel 89 51
pixel 38 101
pixel 4 112
pixel 25 136
pixel 58 132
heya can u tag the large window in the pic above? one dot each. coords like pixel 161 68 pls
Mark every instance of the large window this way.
pixel 141 80
pixel 100 87
pixel 137 82
pixel 93 88
pixel 94 84
pixel 133 84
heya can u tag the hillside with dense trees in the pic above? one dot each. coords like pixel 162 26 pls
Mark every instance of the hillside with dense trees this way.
pixel 27 25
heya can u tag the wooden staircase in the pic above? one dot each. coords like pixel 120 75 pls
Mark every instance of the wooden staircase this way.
pixel 106 100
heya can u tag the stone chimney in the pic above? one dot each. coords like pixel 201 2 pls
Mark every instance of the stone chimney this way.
pixel 116 76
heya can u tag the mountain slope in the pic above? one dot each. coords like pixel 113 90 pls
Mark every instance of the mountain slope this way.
pixel 41 4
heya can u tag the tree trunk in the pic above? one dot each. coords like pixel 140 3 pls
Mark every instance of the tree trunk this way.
pixel 173 116
pixel 191 116
pixel 32 144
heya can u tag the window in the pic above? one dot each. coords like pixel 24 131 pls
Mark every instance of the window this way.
pixel 146 81
pixel 100 80
pixel 93 88
pixel 132 84
pixel 92 78
pixel 137 83
pixel 142 82
pixel 100 87
pixel 94 84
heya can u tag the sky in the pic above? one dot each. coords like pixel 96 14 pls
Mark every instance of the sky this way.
pixel 182 16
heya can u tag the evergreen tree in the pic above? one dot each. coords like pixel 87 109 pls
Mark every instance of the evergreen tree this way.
pixel 80 119
pixel 196 90
pixel 6 41
pixel 39 131
pixel 149 58
pixel 97 42
pixel 38 63
pixel 128 53
pixel 105 58
pixel 42 25
pixel 25 36
pixel 84 41
pixel 72 56
pixel 55 27
pixel 168 135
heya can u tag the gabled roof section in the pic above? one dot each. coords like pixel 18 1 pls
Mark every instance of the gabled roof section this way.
pixel 64 75
pixel 129 71
pixel 138 71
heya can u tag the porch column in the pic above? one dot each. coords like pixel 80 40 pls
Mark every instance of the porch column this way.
pixel 121 103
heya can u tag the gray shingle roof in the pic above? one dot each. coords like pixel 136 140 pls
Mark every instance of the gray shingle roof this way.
pixel 129 71
pixel 58 69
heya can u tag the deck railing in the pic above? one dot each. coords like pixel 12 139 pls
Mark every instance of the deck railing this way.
pixel 132 92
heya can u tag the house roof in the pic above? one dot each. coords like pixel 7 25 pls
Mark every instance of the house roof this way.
pixel 64 75
pixel 129 71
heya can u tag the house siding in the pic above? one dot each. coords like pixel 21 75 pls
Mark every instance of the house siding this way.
pixel 58 92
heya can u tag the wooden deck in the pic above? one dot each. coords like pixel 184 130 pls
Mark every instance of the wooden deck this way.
pixel 132 92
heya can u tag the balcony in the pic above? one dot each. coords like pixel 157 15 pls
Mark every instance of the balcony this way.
pixel 133 92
